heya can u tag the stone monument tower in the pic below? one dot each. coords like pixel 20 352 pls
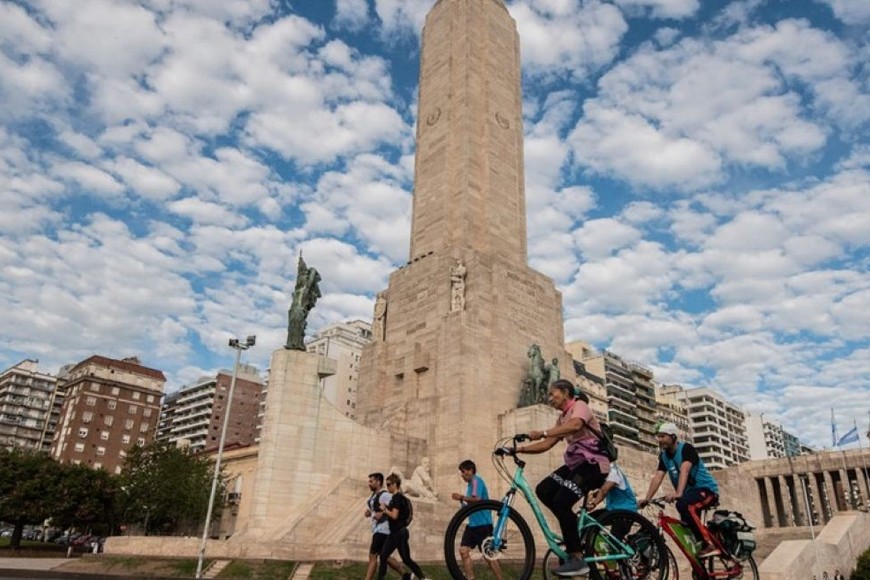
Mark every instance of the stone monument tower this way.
pixel 453 328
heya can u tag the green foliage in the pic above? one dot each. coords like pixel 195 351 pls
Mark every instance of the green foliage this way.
pixel 862 567
pixel 85 499
pixel 261 569
pixel 165 490
pixel 29 481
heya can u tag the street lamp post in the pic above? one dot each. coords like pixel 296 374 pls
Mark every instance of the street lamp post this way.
pixel 239 347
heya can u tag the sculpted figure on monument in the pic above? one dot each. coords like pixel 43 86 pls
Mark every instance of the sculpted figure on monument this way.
pixel 553 372
pixel 305 295
pixel 420 485
pixel 379 319
pixel 457 286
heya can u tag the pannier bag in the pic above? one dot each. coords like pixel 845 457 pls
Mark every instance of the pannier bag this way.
pixel 737 533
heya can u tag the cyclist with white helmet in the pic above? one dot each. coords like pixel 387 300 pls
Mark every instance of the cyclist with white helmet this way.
pixel 694 487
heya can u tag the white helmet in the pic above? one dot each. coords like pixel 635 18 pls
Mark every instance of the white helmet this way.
pixel 667 428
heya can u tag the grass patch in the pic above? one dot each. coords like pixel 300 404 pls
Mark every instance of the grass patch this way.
pixel 186 567
pixel 357 570
pixel 260 569
pixel 32 549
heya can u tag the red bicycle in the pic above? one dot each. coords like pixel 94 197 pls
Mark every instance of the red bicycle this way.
pixel 734 544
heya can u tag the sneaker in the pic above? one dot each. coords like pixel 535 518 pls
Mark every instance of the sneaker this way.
pixel 707 551
pixel 573 567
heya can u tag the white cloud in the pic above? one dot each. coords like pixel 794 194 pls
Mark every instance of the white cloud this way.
pixel 351 14
pixel 682 115
pixel 660 8
pixel 206 213
pixel 567 38
pixel 88 177
pixel 849 11
pixel 603 237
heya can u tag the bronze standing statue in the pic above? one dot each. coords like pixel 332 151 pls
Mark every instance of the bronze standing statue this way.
pixel 305 295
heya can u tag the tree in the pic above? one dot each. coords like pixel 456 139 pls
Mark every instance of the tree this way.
pixel 166 490
pixel 85 498
pixel 29 484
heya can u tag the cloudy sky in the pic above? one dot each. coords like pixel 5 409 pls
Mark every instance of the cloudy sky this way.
pixel 697 181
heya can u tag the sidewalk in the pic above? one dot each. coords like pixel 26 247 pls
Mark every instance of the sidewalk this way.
pixel 21 568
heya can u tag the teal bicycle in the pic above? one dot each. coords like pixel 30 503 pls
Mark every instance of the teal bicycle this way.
pixel 618 545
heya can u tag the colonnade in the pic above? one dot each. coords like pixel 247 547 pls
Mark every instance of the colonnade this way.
pixel 812 491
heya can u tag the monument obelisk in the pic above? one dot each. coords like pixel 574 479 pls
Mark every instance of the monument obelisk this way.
pixel 453 328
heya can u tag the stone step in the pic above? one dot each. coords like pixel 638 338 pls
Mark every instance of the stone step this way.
pixel 215 568
pixel 303 571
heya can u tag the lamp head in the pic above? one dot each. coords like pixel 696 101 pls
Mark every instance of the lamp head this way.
pixel 251 340
pixel 234 342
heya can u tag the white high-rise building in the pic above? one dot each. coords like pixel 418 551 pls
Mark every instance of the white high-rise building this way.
pixel 193 416
pixel 29 406
pixel 767 438
pixel 342 342
pixel 719 428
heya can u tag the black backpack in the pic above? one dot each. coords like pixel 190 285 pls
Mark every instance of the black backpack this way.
pixel 605 441
pixel 410 517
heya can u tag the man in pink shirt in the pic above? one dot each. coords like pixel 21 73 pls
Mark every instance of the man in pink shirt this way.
pixel 586 467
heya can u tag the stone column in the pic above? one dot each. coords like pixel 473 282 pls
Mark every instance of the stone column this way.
pixel 778 503
pixel 797 499
pixel 863 486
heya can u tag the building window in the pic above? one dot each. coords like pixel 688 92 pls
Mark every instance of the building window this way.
pixel 125 438
pixel 140 441
pixel 132 409
pixel 112 404
pixel 91 401
pixel 80 447
pixel 117 470
pixel 83 432
pixel 128 424
pixel 98 465
pixel 137 395
pixel 146 412
pixel 150 398
pixel 77 461
pixel 115 391
pixel 95 387
pixel 108 420
pixel 87 417
pixel 143 427
pixel 104 435
pixel 101 450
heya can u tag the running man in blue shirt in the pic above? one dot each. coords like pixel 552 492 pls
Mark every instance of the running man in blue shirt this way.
pixel 479 526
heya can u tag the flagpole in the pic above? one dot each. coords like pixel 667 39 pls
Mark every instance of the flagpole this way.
pixel 804 484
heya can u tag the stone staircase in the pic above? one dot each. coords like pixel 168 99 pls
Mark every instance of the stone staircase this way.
pixel 215 568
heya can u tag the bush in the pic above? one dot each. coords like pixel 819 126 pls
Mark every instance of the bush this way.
pixel 862 567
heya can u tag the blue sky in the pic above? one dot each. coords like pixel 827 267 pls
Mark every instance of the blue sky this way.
pixel 696 180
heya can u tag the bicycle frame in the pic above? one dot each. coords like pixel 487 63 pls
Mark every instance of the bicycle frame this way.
pixel 680 533
pixel 585 523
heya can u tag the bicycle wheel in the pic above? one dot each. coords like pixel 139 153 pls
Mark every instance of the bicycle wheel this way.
pixel 511 556
pixel 728 567
pixel 650 560
pixel 673 569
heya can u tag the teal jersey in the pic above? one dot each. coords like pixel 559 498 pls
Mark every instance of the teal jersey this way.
pixel 699 477
pixel 477 488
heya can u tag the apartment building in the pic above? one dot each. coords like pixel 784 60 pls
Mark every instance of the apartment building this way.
pixel 767 438
pixel 719 428
pixel 109 406
pixel 29 406
pixel 193 416
pixel 671 408
pixel 342 342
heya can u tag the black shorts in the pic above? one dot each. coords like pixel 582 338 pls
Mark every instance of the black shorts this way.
pixel 378 543
pixel 473 536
